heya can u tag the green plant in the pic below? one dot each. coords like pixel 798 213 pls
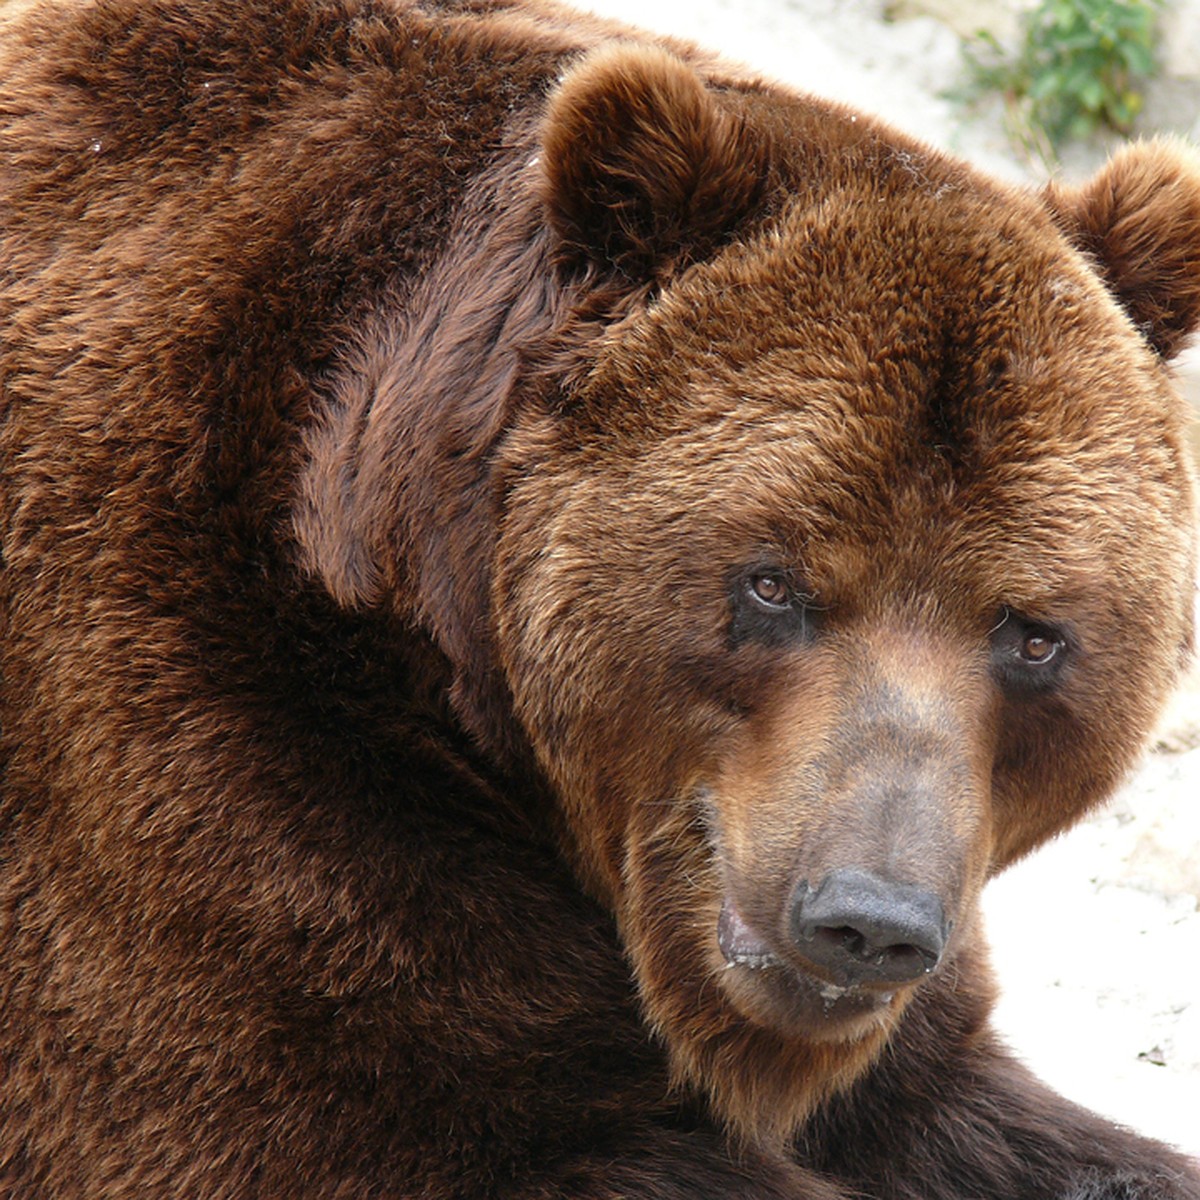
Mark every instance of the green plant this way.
pixel 1079 66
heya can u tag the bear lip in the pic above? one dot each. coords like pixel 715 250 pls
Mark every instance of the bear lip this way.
pixel 740 945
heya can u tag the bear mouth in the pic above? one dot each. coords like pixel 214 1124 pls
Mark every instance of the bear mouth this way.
pixel 789 995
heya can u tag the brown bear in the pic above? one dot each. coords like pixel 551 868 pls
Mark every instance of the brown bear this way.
pixel 541 574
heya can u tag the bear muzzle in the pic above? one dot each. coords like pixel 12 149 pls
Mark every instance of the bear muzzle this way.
pixel 855 928
pixel 776 986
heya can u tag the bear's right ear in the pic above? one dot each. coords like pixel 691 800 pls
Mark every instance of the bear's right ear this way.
pixel 644 170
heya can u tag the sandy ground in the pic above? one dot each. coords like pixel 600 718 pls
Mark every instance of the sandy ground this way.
pixel 1096 937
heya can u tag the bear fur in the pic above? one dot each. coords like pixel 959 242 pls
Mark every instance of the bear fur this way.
pixel 499 512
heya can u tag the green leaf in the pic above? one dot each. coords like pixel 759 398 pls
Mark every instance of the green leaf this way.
pixel 1091 94
pixel 1138 58
pixel 1049 83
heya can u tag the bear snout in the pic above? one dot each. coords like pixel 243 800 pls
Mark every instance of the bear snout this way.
pixel 863 929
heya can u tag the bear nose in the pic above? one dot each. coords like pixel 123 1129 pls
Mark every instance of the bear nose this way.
pixel 864 929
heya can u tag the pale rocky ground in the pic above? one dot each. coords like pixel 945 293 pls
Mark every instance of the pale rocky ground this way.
pixel 1096 937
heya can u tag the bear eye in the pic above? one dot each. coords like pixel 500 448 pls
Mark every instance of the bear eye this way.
pixel 1039 648
pixel 1027 655
pixel 768 608
pixel 770 589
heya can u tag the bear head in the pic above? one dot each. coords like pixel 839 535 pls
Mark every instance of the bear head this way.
pixel 812 511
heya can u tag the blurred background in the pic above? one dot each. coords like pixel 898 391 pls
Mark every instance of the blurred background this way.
pixel 1097 937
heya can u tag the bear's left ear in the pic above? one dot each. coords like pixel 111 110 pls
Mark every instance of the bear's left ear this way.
pixel 1139 221
pixel 644 169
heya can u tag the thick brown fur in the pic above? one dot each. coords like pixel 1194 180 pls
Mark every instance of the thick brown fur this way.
pixel 401 405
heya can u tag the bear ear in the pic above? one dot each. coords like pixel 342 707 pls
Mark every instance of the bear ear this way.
pixel 1138 219
pixel 643 168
